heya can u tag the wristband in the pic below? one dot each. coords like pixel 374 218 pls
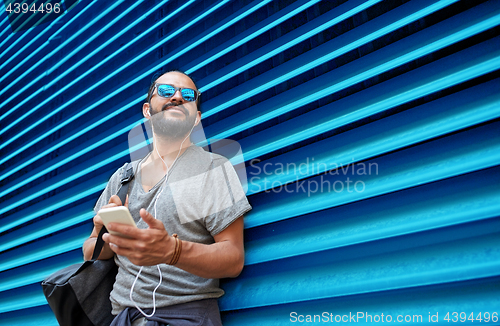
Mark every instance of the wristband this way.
pixel 177 250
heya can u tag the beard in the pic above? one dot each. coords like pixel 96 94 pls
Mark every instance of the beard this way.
pixel 171 128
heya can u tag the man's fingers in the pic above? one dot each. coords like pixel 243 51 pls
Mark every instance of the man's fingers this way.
pixel 150 220
pixel 118 241
pixel 127 230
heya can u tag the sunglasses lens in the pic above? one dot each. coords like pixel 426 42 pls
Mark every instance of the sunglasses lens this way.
pixel 189 94
pixel 169 91
pixel 166 90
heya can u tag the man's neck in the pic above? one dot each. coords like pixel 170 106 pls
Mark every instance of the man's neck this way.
pixel 168 149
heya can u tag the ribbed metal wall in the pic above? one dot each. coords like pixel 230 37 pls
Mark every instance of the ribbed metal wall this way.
pixel 370 131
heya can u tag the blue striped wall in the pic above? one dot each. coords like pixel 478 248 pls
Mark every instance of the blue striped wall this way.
pixel 370 134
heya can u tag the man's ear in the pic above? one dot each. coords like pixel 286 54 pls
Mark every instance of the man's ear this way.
pixel 145 111
pixel 198 118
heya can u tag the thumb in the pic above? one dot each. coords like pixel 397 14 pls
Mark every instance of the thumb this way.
pixel 115 200
pixel 150 220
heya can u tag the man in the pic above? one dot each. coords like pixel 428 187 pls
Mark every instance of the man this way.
pixel 178 189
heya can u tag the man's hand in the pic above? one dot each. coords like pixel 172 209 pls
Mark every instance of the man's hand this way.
pixel 89 244
pixel 114 201
pixel 146 247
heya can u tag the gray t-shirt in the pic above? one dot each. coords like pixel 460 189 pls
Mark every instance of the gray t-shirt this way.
pixel 203 195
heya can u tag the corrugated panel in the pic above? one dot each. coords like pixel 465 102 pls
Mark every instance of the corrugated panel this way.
pixel 369 129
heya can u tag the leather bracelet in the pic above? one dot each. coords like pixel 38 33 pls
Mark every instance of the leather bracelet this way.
pixel 177 250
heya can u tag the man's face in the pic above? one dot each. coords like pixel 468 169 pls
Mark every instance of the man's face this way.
pixel 172 118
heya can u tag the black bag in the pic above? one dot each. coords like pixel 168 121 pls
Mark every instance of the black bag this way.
pixel 79 294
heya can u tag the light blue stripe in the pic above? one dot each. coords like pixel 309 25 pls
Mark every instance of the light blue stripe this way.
pixel 93 37
pixel 67 140
pixel 487 111
pixel 70 158
pixel 71 199
pixel 477 70
pixel 74 99
pixel 14 55
pixel 354 45
pixel 61 248
pixel 234 45
pixel 41 61
pixel 46 231
pixel 416 175
pixel 36 277
pixel 59 126
pixel 6 28
pixel 105 79
pixel 396 224
pixel 71 178
pixel 23 303
pixel 53 207
pixel 115 36
pixel 38 49
pixel 478 115
pixel 286 46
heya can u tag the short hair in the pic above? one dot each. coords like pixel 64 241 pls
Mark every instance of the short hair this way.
pixel 160 73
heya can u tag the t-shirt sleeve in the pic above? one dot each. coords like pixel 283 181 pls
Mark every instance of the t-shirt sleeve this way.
pixel 234 205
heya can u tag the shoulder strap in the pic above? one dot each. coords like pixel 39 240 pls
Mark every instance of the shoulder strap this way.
pixel 127 176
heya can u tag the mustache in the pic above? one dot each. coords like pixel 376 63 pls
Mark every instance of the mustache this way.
pixel 179 106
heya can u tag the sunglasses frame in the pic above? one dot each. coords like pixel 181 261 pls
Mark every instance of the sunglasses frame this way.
pixel 197 93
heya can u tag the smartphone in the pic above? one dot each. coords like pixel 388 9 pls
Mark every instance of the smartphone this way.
pixel 118 214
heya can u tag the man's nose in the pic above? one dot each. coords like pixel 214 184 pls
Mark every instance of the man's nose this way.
pixel 177 97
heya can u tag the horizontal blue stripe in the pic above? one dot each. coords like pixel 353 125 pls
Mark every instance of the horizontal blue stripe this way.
pixel 327 57
pixel 392 215
pixel 46 231
pixel 101 81
pixel 34 276
pixel 402 172
pixel 74 176
pixel 66 141
pixel 53 207
pixel 477 70
pixel 75 35
pixel 38 49
pixel 459 260
pixel 233 44
pixel 59 248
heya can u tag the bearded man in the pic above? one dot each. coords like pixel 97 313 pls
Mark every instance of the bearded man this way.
pixel 188 205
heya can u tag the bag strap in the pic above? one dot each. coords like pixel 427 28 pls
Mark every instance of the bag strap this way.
pixel 127 176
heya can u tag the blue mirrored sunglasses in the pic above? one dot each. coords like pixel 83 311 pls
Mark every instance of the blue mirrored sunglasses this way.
pixel 168 91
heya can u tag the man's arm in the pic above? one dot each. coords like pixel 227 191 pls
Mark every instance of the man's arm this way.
pixel 89 245
pixel 152 246
pixel 224 258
